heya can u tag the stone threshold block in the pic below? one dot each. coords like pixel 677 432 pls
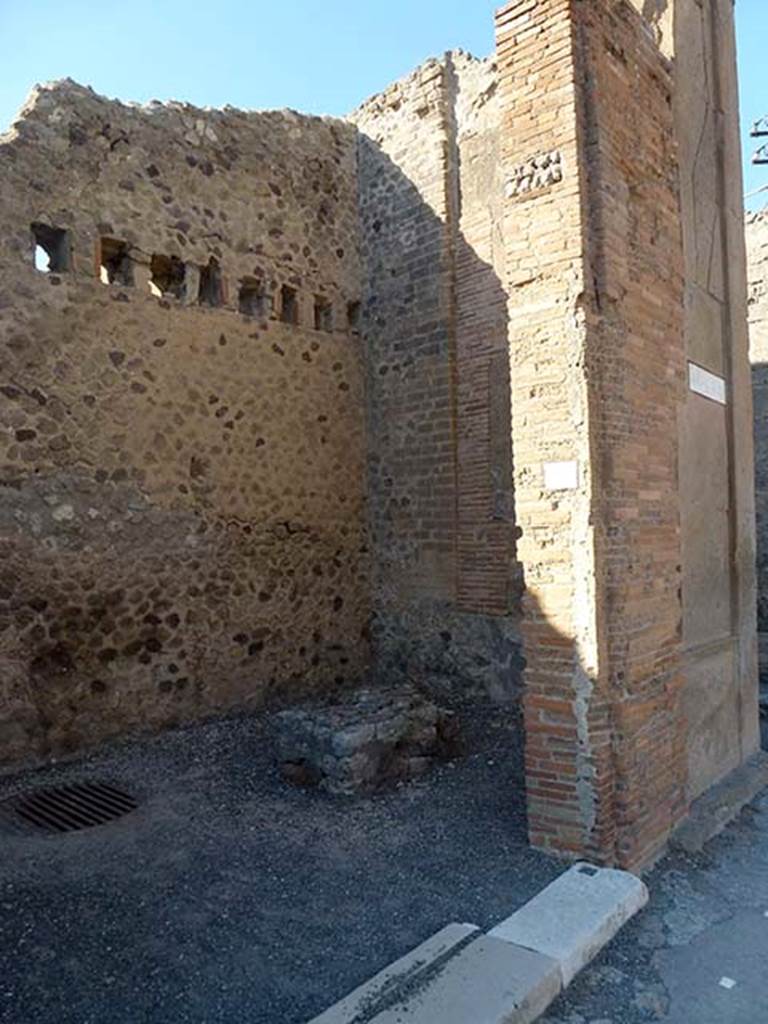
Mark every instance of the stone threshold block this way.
pixel 374 738
pixel 459 976
pixel 575 916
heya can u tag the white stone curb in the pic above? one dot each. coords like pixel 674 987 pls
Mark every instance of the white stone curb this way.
pixel 575 916
pixel 393 978
pixel 510 975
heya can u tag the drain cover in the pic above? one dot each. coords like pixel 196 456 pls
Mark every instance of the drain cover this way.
pixel 67 808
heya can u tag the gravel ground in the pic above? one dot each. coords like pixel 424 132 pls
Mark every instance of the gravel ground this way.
pixel 230 896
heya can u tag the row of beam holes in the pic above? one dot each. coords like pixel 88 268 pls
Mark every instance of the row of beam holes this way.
pixel 167 277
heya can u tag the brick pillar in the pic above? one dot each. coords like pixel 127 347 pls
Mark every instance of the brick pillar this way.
pixel 594 262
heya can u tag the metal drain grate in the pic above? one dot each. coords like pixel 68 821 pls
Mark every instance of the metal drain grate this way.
pixel 67 808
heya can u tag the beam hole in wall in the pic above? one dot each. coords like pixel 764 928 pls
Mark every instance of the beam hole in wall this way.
pixel 210 292
pixel 51 248
pixel 353 316
pixel 323 314
pixel 167 275
pixel 289 305
pixel 252 298
pixel 115 263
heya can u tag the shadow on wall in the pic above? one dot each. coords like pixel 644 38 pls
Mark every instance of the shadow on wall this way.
pixel 447 584
pixel 448 589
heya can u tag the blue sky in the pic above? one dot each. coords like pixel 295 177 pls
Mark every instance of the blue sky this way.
pixel 317 57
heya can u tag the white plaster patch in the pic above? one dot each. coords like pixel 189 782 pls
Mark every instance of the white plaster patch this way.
pixel 702 382
pixel 561 476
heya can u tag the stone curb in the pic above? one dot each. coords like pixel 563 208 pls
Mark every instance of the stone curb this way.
pixel 718 807
pixel 374 994
pixel 511 974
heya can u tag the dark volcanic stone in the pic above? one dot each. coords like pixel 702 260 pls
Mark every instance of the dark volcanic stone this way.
pixel 373 739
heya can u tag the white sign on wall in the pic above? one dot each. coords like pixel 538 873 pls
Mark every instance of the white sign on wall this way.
pixel 561 476
pixel 707 384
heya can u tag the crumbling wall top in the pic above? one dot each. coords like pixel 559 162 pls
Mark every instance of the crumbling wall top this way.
pixel 263 192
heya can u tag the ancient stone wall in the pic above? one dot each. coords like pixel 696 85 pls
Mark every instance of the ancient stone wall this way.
pixel 636 375
pixel 630 408
pixel 447 583
pixel 186 321
pixel 181 520
pixel 715 426
pixel 276 386
pixel 568 733
pixel 488 575
pixel 757 260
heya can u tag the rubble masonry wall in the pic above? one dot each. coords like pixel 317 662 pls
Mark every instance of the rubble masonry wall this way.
pixel 181 498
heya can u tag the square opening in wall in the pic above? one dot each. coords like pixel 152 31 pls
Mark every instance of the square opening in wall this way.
pixel 353 316
pixel 252 298
pixel 211 292
pixel 323 314
pixel 289 305
pixel 116 265
pixel 167 275
pixel 52 250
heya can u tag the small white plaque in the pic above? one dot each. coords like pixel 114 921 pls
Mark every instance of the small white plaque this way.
pixel 705 383
pixel 561 476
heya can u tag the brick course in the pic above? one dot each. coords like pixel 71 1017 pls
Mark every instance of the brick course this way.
pixel 595 282
pixel 447 585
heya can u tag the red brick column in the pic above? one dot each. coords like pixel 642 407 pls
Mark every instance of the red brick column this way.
pixel 594 257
